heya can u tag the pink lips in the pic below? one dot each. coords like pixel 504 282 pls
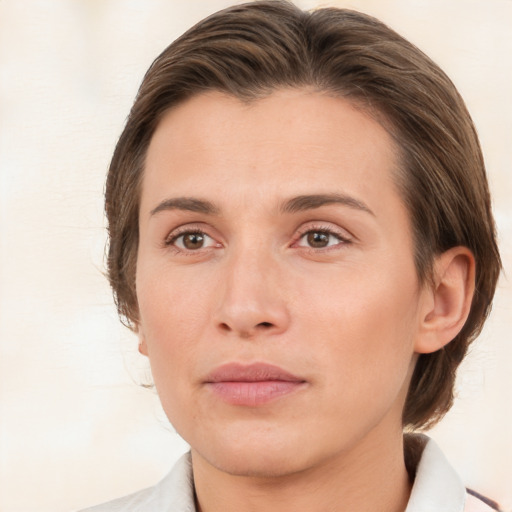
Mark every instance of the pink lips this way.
pixel 251 385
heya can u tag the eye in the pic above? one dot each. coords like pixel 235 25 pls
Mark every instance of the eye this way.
pixel 191 241
pixel 320 238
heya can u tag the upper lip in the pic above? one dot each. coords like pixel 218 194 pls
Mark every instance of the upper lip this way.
pixel 255 372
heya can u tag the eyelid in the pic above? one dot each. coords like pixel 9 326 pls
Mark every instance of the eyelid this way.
pixel 344 236
pixel 175 239
pixel 193 228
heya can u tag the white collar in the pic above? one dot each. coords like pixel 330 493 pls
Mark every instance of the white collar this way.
pixel 436 488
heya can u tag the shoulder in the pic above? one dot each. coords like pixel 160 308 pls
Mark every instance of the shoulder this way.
pixel 172 494
pixel 137 501
pixel 436 485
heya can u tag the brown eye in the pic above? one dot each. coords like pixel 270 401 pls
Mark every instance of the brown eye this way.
pixel 321 239
pixel 193 241
pixel 318 239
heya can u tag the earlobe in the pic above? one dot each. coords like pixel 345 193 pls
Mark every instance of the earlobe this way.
pixel 448 300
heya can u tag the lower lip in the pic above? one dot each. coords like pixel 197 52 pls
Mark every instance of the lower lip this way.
pixel 252 394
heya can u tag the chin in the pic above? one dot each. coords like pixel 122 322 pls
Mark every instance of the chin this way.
pixel 258 463
pixel 257 456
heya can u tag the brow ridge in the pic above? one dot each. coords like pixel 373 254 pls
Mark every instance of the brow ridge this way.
pixel 312 201
pixel 190 204
pixel 293 205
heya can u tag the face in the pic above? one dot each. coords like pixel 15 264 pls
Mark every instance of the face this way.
pixel 279 302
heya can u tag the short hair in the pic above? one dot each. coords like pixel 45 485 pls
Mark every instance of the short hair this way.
pixel 252 49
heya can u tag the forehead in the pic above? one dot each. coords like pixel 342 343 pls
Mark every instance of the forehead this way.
pixel 292 142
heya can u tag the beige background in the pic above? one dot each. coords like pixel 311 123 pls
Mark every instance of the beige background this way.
pixel 75 429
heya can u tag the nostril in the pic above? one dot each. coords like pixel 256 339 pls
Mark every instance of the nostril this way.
pixel 246 331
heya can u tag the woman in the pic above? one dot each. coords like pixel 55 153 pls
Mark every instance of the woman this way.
pixel 301 237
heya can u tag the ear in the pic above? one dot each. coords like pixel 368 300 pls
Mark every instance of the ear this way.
pixel 447 300
pixel 143 348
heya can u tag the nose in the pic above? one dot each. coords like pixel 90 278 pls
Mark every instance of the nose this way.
pixel 252 296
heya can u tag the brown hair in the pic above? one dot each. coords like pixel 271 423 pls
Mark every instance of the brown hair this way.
pixel 252 49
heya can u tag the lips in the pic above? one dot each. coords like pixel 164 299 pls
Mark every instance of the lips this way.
pixel 252 385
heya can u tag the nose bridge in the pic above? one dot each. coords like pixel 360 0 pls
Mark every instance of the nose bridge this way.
pixel 252 298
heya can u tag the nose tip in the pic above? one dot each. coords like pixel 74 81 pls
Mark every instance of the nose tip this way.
pixel 252 299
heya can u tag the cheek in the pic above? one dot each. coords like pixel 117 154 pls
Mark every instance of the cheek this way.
pixel 170 320
pixel 366 366
pixel 169 303
pixel 366 329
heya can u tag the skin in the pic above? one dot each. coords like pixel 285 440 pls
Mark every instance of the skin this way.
pixel 327 291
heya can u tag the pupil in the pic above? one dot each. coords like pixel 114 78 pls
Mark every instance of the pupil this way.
pixel 193 240
pixel 318 239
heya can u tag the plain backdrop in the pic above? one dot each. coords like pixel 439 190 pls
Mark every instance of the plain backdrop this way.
pixel 75 427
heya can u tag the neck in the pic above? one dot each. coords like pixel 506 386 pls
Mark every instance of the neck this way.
pixel 370 476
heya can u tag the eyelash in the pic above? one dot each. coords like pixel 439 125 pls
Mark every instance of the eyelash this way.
pixel 343 239
pixel 170 241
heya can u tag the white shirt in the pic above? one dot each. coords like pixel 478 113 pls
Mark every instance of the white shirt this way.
pixel 436 488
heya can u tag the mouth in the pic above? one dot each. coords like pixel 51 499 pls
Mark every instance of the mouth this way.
pixel 252 385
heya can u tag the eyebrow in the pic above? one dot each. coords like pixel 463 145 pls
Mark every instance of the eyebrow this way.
pixel 294 205
pixel 310 202
pixel 189 204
